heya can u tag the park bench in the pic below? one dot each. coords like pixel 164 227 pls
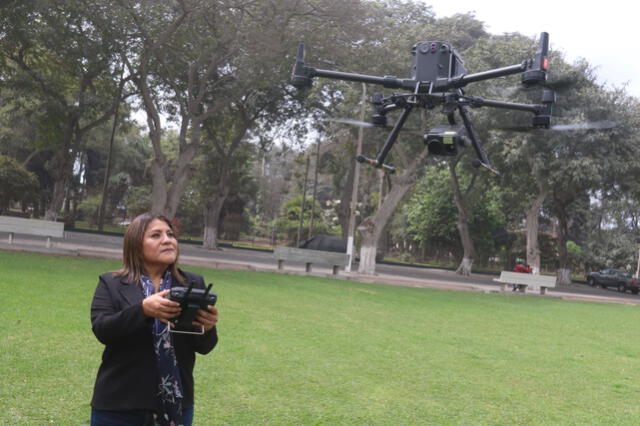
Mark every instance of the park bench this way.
pixel 526 280
pixel 309 257
pixel 18 225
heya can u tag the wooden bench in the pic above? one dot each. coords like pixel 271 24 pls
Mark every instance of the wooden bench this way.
pixel 309 257
pixel 45 228
pixel 522 281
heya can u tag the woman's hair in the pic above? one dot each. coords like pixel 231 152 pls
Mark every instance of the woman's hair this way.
pixel 132 251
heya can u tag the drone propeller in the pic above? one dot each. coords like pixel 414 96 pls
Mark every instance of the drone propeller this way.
pixel 595 125
pixel 558 85
pixel 369 125
pixel 351 122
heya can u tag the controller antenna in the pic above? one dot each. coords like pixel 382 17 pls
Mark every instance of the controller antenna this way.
pixel 188 291
pixel 206 293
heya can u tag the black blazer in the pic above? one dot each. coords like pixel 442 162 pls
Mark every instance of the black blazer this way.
pixel 128 377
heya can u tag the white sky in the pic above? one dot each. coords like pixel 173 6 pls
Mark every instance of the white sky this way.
pixel 603 33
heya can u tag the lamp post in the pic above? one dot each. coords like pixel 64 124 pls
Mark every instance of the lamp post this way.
pixel 354 191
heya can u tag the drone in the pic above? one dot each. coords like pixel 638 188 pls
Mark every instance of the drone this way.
pixel 438 78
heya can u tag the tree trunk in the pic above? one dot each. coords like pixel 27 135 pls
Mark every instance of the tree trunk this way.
pixel 564 260
pixel 465 266
pixel 211 220
pixel 180 180
pixel 167 190
pixel 564 276
pixel 158 185
pixel 59 190
pixel 371 228
pixel 368 248
pixel 469 250
pixel 64 165
pixel 213 207
pixel 533 225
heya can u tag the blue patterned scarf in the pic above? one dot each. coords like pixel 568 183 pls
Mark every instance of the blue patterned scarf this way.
pixel 170 386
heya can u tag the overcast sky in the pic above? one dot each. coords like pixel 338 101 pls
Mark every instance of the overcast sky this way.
pixel 604 33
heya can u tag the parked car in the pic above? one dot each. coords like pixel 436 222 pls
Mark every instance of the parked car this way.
pixel 621 280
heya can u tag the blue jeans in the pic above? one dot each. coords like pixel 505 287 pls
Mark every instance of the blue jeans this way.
pixel 131 418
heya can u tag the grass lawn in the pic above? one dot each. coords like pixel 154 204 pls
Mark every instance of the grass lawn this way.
pixel 297 350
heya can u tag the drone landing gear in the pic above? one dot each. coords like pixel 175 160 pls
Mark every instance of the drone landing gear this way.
pixel 391 139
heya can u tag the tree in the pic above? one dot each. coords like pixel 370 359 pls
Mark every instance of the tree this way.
pixel 52 50
pixel 195 58
pixel 433 217
pixel 564 168
pixel 225 163
pixel 173 75
pixel 613 230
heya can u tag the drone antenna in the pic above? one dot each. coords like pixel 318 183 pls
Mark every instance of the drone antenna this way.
pixel 300 76
pixel 537 72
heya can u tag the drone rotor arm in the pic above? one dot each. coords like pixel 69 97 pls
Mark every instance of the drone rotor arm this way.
pixel 476 101
pixel 534 71
pixel 302 75
pixel 390 82
pixel 486 75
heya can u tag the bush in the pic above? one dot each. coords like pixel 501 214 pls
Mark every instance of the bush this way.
pixel 17 184
pixel 89 209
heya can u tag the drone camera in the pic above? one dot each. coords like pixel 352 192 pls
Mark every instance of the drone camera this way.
pixel 444 140
pixel 378 119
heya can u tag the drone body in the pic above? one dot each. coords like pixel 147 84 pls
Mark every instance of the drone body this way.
pixel 434 60
pixel 438 76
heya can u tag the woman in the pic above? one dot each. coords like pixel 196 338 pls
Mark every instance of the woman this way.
pixel 146 375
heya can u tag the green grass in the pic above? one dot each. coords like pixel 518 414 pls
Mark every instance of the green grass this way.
pixel 297 350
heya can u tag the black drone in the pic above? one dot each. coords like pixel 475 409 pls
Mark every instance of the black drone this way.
pixel 437 79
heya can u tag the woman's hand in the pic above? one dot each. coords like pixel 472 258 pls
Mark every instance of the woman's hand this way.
pixel 207 318
pixel 158 306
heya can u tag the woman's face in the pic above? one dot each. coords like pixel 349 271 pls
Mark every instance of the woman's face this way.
pixel 159 246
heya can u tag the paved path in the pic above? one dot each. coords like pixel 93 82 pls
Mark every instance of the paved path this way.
pixel 101 246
